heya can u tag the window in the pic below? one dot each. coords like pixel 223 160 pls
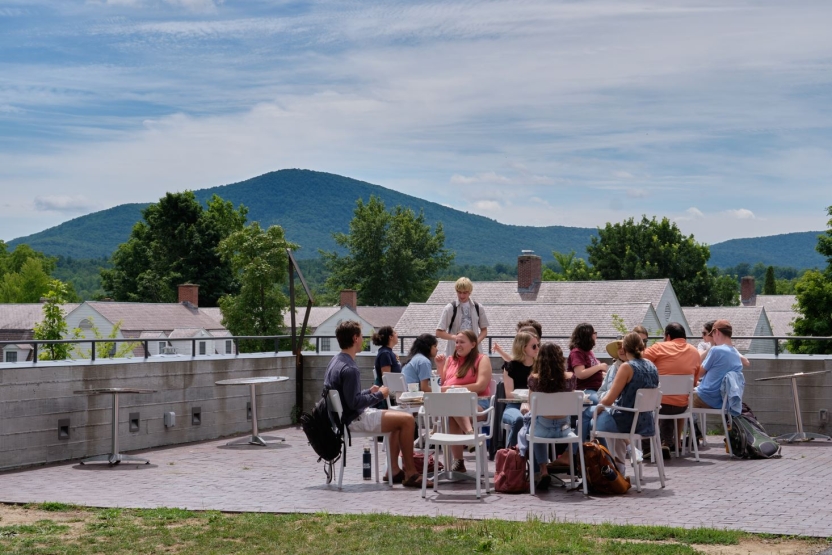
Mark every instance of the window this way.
pixel 162 345
pixel 202 347
pixel 85 324
pixel 667 311
pixel 228 349
pixel 11 356
pixel 325 343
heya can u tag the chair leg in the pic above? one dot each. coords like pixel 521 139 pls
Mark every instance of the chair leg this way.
pixel 375 457
pixel 341 472
pixel 693 441
pixel 572 478
pixel 583 467
pixel 531 465
pixel 478 466
pixel 676 437
pixel 389 460
pixel 426 452
pixel 660 465
pixel 635 465
pixel 725 429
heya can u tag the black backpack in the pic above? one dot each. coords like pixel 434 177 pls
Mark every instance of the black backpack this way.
pixel 749 439
pixel 325 433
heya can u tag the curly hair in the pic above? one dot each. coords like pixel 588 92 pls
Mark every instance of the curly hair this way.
pixel 471 360
pixel 550 368
pixel 423 344
pixel 633 344
pixel 382 336
pixel 582 337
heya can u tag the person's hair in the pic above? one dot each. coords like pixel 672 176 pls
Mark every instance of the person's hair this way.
pixel 382 336
pixel 464 284
pixel 471 360
pixel 423 344
pixel 709 326
pixel 521 341
pixel 538 329
pixel 549 367
pixel 345 333
pixel 633 344
pixel 675 330
pixel 641 329
pixel 726 331
pixel 582 337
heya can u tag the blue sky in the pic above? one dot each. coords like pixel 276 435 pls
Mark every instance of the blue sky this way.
pixel 717 114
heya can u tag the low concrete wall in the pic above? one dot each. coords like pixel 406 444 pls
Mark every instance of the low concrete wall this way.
pixel 33 398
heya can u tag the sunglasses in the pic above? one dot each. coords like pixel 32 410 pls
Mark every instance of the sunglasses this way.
pixel 535 346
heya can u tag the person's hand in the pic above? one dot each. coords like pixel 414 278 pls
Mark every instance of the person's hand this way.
pixel 384 391
pixel 498 349
pixel 440 358
pixel 604 367
pixel 374 389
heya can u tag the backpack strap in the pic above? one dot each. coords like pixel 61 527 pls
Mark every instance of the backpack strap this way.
pixel 453 315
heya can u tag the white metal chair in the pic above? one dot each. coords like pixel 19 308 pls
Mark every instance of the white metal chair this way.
pixel 723 412
pixel 442 407
pixel 679 385
pixel 549 404
pixel 396 383
pixel 336 407
pixel 647 401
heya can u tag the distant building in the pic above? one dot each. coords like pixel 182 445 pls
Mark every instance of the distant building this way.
pixel 17 323
pixel 745 320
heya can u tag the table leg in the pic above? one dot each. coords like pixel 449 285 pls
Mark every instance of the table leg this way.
pixel 255 438
pixel 114 457
pixel 800 435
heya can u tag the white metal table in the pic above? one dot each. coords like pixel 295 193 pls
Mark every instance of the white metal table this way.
pixel 255 438
pixel 114 457
pixel 799 435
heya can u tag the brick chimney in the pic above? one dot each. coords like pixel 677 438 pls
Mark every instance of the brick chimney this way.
pixel 748 291
pixel 349 298
pixel 529 271
pixel 189 293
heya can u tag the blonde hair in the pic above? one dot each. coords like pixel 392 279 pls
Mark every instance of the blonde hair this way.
pixel 521 341
pixel 464 284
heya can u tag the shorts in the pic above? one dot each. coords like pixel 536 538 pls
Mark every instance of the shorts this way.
pixel 368 422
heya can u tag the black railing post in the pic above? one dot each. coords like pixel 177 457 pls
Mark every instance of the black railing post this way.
pixel 276 344
pixel 92 352
pixel 146 346
pixel 193 348
pixel 236 348
pixel 35 353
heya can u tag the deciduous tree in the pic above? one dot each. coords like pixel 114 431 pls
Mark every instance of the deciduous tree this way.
pixel 175 243
pixel 571 268
pixel 25 275
pixel 53 325
pixel 814 301
pixel 652 249
pixel 393 257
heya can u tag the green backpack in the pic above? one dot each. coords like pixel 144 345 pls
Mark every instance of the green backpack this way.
pixel 750 441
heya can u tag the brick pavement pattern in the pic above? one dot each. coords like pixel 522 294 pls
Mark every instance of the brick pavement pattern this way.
pixel 790 495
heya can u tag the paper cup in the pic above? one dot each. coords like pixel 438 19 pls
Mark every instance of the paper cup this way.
pixel 413 387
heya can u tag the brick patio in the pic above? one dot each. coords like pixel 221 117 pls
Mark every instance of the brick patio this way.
pixel 790 495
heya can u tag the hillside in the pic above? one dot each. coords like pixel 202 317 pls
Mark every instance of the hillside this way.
pixel 796 250
pixel 310 206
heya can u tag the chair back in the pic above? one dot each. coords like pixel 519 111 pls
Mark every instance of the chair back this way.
pixel 648 400
pixel 676 385
pixel 493 387
pixel 394 381
pixel 444 405
pixel 565 403
pixel 335 402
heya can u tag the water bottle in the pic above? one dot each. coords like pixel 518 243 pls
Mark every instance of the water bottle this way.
pixel 608 473
pixel 367 462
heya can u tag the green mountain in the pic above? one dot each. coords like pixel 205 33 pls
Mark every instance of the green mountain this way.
pixel 310 206
pixel 796 250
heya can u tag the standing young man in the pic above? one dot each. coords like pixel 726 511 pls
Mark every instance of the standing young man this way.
pixel 343 375
pixel 462 314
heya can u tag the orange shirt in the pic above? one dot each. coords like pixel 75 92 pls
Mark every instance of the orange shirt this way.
pixel 675 358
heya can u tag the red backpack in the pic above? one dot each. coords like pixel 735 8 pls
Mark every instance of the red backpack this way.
pixel 510 475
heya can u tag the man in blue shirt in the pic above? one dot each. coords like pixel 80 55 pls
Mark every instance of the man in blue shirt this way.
pixel 722 359
pixel 343 375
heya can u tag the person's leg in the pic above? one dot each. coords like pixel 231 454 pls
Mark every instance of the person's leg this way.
pixel 592 394
pixel 666 427
pixel 699 403
pixel 400 426
pixel 586 423
pixel 512 417
pixel 459 426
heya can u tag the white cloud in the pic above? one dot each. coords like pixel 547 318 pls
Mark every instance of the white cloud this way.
pixel 623 175
pixel 63 203
pixel 480 178
pixel 487 205
pixel 741 214
pixel 636 193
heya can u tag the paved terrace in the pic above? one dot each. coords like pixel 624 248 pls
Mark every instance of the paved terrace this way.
pixel 790 495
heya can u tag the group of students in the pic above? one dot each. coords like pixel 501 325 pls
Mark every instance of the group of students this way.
pixel 536 366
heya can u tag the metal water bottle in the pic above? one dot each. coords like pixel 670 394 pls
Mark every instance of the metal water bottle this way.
pixel 608 473
pixel 366 462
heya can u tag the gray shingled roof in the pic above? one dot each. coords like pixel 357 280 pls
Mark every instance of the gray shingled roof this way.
pixel 556 319
pixel 152 316
pixel 376 316
pixel 25 316
pixel 782 322
pixel 743 320
pixel 776 303
pixel 559 292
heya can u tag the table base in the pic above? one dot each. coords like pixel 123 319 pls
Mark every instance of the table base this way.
pixel 452 477
pixel 801 436
pixel 253 440
pixel 114 459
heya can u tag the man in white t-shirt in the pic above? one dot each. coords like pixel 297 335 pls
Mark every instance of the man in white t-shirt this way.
pixel 462 314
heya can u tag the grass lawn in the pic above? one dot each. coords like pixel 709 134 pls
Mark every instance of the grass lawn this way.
pixel 63 529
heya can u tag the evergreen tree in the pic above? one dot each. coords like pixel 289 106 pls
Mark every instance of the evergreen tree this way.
pixel 770 286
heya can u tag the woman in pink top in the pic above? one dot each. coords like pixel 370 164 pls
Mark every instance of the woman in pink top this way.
pixel 470 369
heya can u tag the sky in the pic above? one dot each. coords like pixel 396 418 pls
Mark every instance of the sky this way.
pixel 717 115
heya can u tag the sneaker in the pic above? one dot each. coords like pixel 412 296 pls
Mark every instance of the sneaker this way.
pixel 458 466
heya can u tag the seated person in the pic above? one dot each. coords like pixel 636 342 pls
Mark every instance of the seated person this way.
pixel 470 369
pixel 418 368
pixel 722 358
pixel 515 376
pixel 708 342
pixel 582 361
pixel 616 350
pixel 548 375
pixel 343 375
pixel 634 374
pixel 531 326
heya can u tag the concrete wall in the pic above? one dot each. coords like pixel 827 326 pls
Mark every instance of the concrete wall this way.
pixel 34 397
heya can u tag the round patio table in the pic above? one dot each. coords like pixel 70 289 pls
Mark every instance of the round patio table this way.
pixel 799 435
pixel 255 438
pixel 114 457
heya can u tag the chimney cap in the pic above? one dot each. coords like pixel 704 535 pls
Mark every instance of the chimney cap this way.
pixel 526 251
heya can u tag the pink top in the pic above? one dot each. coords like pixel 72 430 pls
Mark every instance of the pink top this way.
pixel 452 365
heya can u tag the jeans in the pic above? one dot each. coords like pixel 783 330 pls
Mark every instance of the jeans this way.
pixel 544 427
pixel 512 417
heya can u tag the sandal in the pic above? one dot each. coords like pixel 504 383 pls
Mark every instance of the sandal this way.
pixel 543 482
pixel 398 477
pixel 415 481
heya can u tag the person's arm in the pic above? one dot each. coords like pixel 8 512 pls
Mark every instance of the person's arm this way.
pixel 424 385
pixel 423 373
pixel 484 374
pixel 504 355
pixel 442 334
pixel 444 324
pixel 354 398
pixel 441 359
pixel 622 377
pixel 483 334
pixel 583 372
